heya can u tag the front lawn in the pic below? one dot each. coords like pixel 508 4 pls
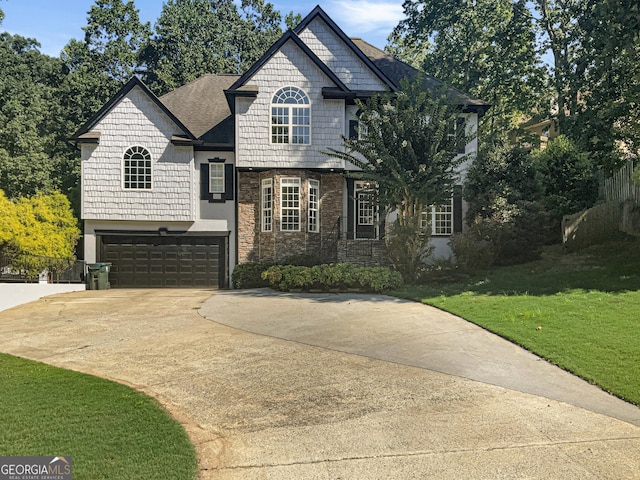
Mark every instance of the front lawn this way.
pixel 109 430
pixel 580 311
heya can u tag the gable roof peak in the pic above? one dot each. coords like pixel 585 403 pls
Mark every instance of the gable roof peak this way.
pixel 319 12
pixel 293 36
pixel 117 98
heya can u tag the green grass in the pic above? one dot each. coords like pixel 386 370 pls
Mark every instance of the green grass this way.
pixel 581 311
pixel 109 430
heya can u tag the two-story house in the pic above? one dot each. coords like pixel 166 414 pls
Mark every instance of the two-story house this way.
pixel 231 169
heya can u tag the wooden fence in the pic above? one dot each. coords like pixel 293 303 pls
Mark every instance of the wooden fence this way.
pixel 620 212
pixel 620 187
pixel 592 226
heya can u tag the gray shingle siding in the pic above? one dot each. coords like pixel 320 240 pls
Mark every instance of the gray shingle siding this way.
pixel 253 116
pixel 339 57
pixel 136 120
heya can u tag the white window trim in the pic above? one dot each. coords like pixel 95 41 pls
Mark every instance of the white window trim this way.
pixel 358 186
pixel 123 168
pixel 363 131
pixel 212 177
pixel 461 120
pixel 364 185
pixel 290 124
pixel 292 181
pixel 314 206
pixel 267 184
pixel 429 219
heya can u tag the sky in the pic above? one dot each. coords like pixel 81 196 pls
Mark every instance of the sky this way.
pixel 54 22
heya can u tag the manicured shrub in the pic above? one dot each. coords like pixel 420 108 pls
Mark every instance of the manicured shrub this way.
pixel 503 240
pixel 339 276
pixel 472 254
pixel 302 259
pixel 249 275
pixel 287 277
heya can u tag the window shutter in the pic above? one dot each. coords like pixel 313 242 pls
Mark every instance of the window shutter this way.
pixel 228 182
pixel 457 209
pixel 351 213
pixel 204 182
pixel 353 129
pixel 462 142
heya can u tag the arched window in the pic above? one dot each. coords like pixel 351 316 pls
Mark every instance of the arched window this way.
pixel 290 117
pixel 136 173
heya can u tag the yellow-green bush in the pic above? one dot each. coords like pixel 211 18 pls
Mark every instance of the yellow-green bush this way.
pixel 39 226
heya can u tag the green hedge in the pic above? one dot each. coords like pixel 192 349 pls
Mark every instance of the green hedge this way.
pixel 249 275
pixel 338 276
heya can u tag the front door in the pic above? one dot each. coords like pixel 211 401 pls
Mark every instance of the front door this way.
pixel 365 212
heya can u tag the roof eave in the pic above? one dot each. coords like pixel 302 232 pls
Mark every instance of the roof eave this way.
pixel 245 91
pixel 90 138
pixel 288 35
pixel 120 94
pixel 180 141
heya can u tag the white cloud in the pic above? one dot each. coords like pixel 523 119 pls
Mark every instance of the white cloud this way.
pixel 356 17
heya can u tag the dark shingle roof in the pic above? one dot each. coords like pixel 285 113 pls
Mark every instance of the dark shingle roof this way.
pixel 81 135
pixel 396 70
pixel 202 106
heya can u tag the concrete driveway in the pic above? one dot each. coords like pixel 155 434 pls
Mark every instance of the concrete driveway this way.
pixel 257 406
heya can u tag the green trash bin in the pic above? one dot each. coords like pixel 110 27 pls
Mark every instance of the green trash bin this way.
pixel 98 276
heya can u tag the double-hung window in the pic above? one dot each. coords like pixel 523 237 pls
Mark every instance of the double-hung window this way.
pixel 458 136
pixel 136 171
pixel 290 204
pixel 216 178
pixel 267 204
pixel 290 117
pixel 314 206
pixel 439 219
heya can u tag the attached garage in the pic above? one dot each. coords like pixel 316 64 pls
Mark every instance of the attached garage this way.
pixel 140 261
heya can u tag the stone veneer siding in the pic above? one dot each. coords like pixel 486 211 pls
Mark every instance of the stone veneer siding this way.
pixel 367 253
pixel 257 246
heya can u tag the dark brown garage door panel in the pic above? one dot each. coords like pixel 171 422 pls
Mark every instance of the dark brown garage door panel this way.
pixel 153 261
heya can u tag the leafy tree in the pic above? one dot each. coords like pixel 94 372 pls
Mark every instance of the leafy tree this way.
pixel 259 29
pixel 485 47
pixel 30 143
pixel 559 20
pixel 113 37
pixel 10 226
pixel 506 212
pixel 187 43
pixel 501 176
pixel 568 178
pixel 291 20
pixel 410 155
pixel 35 227
pixel 195 37
pixel 98 66
pixel 608 125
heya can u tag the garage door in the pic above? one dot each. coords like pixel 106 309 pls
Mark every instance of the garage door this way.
pixel 155 261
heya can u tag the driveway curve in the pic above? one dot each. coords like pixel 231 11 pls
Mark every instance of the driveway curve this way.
pixel 257 406
pixel 408 333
